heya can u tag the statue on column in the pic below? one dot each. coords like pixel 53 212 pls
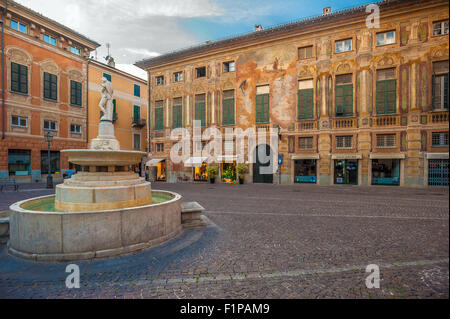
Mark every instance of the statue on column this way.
pixel 106 103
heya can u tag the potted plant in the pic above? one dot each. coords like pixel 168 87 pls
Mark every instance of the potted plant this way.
pixel 242 170
pixel 212 172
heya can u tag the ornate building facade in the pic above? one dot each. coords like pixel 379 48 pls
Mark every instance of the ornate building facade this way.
pixel 355 105
pixel 44 90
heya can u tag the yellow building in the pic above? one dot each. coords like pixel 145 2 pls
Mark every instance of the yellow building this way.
pixel 130 105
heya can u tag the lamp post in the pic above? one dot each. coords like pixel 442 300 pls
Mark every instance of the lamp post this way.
pixel 48 138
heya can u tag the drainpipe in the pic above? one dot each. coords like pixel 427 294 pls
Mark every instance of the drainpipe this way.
pixel 3 68
pixel 148 110
pixel 87 102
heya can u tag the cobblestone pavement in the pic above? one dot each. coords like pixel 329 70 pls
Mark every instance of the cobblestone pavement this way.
pixel 269 241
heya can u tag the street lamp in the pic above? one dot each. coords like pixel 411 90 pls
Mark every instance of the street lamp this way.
pixel 48 138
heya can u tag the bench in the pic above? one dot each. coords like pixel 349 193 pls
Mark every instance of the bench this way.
pixel 6 183
pixel 191 215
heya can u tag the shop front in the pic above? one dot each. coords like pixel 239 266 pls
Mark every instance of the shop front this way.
pixel 346 169
pixel 385 172
pixel 305 168
pixel 157 169
pixel 437 166
pixel 199 167
pixel 228 172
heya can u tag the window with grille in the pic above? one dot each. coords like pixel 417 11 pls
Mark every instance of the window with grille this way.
pixel 75 128
pixel 305 52
pixel 178 76
pixel 385 38
pixel 160 80
pixel 75 93
pixel 439 139
pixel 159 115
pixel 344 141
pixel 200 72
pixel 200 109
pixel 228 67
pixel 262 104
pixel 343 45
pixel 305 107
pixel 177 112
pixel 344 95
pixel 386 88
pixel 228 107
pixel 440 85
pixel 19 78
pixel 305 143
pixel 385 140
pixel 19 121
pixel 49 125
pixel 50 86
pixel 159 147
pixel 440 27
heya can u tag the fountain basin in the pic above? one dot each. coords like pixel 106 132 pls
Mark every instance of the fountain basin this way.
pixel 69 236
pixel 95 157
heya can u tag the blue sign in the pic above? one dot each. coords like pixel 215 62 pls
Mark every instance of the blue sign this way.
pixel 280 159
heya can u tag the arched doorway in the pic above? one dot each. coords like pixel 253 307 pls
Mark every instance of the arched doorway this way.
pixel 257 176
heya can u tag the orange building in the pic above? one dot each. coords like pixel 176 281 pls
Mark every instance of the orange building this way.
pixel 44 84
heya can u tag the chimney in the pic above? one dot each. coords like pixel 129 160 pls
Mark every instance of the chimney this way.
pixel 326 11
pixel 258 27
pixel 111 62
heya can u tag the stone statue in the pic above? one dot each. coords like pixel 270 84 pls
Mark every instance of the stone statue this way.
pixel 106 103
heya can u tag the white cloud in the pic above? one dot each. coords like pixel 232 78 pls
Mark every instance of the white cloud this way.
pixel 144 52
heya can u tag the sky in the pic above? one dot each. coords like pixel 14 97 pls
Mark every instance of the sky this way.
pixel 139 29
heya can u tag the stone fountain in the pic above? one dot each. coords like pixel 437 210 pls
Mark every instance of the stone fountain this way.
pixel 104 210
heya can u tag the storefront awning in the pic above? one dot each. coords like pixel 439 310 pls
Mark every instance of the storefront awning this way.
pixel 154 161
pixel 305 156
pixel 346 156
pixel 195 161
pixel 437 156
pixel 387 156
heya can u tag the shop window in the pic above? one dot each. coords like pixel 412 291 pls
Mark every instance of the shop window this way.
pixel 262 104
pixel 50 86
pixel 19 121
pixel 385 172
pixel 75 93
pixel 305 52
pixel 159 115
pixel 344 142
pixel 440 85
pixel 385 140
pixel 305 171
pixel 439 139
pixel 19 26
pixel 201 173
pixel 54 162
pixel 229 172
pixel 228 107
pixel 346 172
pixel 200 72
pixel 386 90
pixel 49 39
pixel 161 170
pixel 160 80
pixel 343 45
pixel 75 128
pixel 200 109
pixel 178 76
pixel 228 67
pixel 305 143
pixel 344 95
pixel 440 28
pixel 177 112
pixel 19 162
pixel 159 147
pixel 49 125
pixel 305 107
pixel 19 78
pixel 385 38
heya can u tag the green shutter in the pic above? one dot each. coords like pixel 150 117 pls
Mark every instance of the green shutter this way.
pixel 386 96
pixel 53 87
pixel 305 109
pixel 446 91
pixel 344 100
pixel 159 118
pixel 136 112
pixel 262 108
pixel 23 79
pixel 177 116
pixel 433 88
pixel 200 113
pixel 228 111
pixel 15 77
pixel 46 85
pixel 114 110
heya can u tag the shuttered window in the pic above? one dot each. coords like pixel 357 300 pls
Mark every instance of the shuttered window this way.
pixel 305 107
pixel 159 115
pixel 50 86
pixel 385 140
pixel 305 52
pixel 386 89
pixel 177 113
pixel 228 107
pixel 262 104
pixel 19 78
pixel 75 93
pixel 200 109
pixel 344 141
pixel 440 85
pixel 344 95
pixel 136 112
pixel 305 143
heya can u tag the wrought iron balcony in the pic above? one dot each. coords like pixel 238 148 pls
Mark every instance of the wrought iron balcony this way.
pixel 138 122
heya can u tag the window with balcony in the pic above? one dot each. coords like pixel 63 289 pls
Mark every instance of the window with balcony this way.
pixel 343 46
pixel 305 52
pixel 50 86
pixel 440 28
pixel 177 112
pixel 228 67
pixel 305 107
pixel 200 72
pixel 19 121
pixel 386 91
pixel 344 142
pixel 440 85
pixel 385 140
pixel 178 76
pixel 385 38
pixel 262 104
pixel 305 143
pixel 19 78
pixel 75 93
pixel 200 109
pixel 344 95
pixel 159 115
pixel 439 139
pixel 136 113
pixel 228 107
